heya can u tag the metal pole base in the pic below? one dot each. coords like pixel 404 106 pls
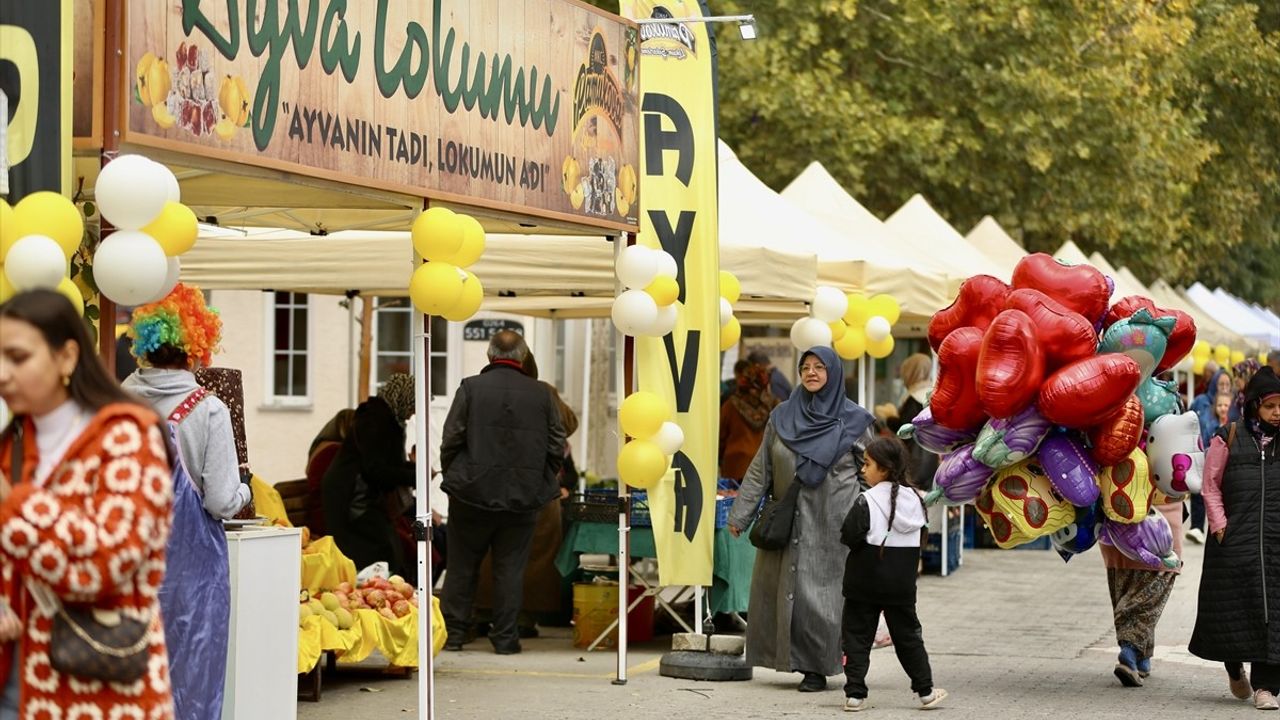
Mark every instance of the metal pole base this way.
pixel 688 665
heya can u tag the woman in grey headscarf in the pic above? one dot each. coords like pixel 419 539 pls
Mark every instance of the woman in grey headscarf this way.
pixel 366 475
pixel 815 438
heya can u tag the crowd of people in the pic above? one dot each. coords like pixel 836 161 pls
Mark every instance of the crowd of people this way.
pixel 112 497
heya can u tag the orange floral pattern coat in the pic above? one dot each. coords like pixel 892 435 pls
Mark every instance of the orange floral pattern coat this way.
pixel 95 533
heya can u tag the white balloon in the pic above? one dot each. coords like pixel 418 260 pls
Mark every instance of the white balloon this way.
pixel 667 264
pixel 170 280
pixel 665 322
pixel 877 328
pixel 174 193
pixel 670 438
pixel 634 312
pixel 726 312
pixel 1186 364
pixel 637 267
pixel 130 268
pixel 131 191
pixel 32 263
pixel 829 304
pixel 810 332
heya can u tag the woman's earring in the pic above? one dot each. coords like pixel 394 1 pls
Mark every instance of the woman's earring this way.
pixel 66 381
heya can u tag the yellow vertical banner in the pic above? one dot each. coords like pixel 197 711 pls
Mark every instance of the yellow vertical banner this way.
pixel 678 214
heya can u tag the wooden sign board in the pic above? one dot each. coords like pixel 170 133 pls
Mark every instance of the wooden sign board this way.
pixel 520 106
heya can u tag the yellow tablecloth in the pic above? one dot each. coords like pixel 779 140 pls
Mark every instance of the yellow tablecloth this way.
pixel 324 566
pixel 267 502
pixel 396 639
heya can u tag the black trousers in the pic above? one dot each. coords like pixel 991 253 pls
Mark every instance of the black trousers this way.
pixel 472 534
pixel 1262 676
pixel 858 631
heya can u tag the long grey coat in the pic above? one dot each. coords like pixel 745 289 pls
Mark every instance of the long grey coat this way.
pixel 796 599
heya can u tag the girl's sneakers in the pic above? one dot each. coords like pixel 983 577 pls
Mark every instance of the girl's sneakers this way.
pixel 1262 700
pixel 933 699
pixel 855 704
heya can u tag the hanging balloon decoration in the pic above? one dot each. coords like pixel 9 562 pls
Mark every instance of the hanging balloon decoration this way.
pixel 650 305
pixel 646 419
pixel 857 324
pixel 449 242
pixel 730 328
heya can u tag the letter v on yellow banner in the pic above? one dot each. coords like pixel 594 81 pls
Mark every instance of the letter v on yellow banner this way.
pixel 678 214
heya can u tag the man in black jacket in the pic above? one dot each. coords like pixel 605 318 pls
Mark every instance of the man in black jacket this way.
pixel 501 453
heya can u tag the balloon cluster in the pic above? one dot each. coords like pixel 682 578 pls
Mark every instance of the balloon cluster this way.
pixel 138 263
pixel 648 305
pixel 1043 401
pixel 852 324
pixel 730 292
pixel 442 286
pixel 646 418
pixel 38 237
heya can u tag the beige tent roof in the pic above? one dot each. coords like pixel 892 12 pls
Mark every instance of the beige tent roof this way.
pixel 936 243
pixel 991 240
pixel 1071 253
pixel 1123 288
pixel 862 256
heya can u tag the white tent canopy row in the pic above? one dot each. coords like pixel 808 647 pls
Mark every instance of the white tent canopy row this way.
pixel 1236 315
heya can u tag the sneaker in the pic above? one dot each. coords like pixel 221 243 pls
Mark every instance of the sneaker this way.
pixel 855 704
pixel 882 641
pixel 933 699
pixel 1264 700
pixel 1196 535
pixel 453 645
pixel 1144 667
pixel 813 682
pixel 1127 667
pixel 1240 687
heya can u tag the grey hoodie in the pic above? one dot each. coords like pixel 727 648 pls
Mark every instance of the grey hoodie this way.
pixel 205 439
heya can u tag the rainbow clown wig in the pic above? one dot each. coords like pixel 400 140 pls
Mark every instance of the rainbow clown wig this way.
pixel 176 332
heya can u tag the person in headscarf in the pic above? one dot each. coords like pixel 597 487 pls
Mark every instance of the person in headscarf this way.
pixel 815 438
pixel 1242 372
pixel 1205 407
pixel 917 380
pixel 743 417
pixel 1240 582
pixel 362 488
pixel 324 449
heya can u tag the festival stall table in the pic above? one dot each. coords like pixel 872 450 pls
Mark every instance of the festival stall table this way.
pixel 731 573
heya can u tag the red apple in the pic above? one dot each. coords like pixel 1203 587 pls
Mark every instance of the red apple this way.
pixel 402 608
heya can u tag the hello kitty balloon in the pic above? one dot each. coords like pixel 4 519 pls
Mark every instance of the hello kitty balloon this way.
pixel 1176 454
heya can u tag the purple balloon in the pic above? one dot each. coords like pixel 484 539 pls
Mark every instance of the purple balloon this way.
pixel 1073 473
pixel 960 478
pixel 1149 542
pixel 933 437
pixel 1009 441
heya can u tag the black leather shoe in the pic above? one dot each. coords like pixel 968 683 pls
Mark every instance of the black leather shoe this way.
pixel 813 682
pixel 452 646
pixel 513 649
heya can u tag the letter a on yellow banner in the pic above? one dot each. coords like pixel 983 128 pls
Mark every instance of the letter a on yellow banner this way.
pixel 678 214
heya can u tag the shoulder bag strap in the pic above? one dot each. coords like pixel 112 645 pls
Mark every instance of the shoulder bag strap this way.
pixel 188 404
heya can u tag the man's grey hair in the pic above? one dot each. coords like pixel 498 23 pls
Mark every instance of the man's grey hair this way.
pixel 508 345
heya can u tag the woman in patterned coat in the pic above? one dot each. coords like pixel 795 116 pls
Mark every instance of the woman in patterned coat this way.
pixel 815 438
pixel 87 516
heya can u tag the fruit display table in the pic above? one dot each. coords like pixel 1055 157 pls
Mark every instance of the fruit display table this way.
pixel 733 558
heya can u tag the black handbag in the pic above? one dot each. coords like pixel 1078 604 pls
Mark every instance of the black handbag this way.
pixel 86 642
pixel 772 528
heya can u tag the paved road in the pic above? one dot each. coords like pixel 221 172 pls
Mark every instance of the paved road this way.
pixel 1012 634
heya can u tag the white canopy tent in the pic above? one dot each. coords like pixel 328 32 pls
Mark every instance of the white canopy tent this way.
pixel 857 253
pixel 1207 328
pixel 1124 286
pixel 992 241
pixel 933 240
pixel 1238 319
pixel 1272 339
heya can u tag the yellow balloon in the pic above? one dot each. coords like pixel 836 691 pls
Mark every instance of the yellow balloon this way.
pixel 472 246
pixel 730 288
pixel 838 329
pixel 436 287
pixel 1237 357
pixel 6 288
pixel 437 234
pixel 1262 358
pixel 664 290
pixel 859 310
pixel 1202 349
pixel 882 349
pixel 468 302
pixel 52 215
pixel 1222 355
pixel 7 235
pixel 72 293
pixel 641 464
pixel 642 414
pixel 1198 365
pixel 175 228
pixel 886 307
pixel 852 345
pixel 730 333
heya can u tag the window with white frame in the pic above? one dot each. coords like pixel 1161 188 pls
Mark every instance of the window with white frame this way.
pixel 289 331
pixel 393 344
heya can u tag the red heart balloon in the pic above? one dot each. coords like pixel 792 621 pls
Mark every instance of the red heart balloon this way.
pixel 1181 339
pixel 981 298
pixel 1010 365
pixel 1065 335
pixel 1118 436
pixel 1081 288
pixel 955 401
pixel 1087 392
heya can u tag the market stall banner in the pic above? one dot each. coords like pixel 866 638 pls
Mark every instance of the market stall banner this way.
pixel 35 76
pixel 520 106
pixel 678 214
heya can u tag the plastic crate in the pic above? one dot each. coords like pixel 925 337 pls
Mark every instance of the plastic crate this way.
pixel 640 509
pixel 931 554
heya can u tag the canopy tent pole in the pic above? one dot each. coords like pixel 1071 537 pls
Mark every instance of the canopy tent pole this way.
pixel 351 347
pixel 862 381
pixel 626 375
pixel 871 384
pixel 422 528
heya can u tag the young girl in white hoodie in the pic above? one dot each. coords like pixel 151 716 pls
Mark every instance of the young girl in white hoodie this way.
pixel 883 532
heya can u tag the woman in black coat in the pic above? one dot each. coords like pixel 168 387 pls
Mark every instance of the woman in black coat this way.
pixel 1238 618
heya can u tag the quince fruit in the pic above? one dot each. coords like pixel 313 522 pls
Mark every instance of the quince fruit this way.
pixel 577 197
pixel 225 129
pixel 140 75
pixel 571 176
pixel 233 100
pixel 622 202
pixel 160 113
pixel 627 183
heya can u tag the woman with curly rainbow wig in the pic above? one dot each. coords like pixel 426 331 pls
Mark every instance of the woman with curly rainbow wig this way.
pixel 171 338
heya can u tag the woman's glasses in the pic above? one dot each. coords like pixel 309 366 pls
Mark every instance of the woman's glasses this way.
pixel 806 369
